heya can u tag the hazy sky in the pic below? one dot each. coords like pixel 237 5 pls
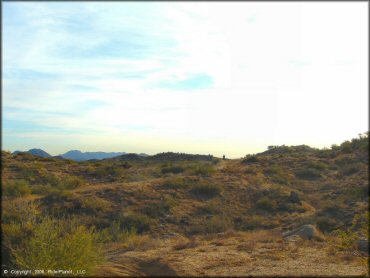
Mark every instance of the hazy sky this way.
pixel 209 77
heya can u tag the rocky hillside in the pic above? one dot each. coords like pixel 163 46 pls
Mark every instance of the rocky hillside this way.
pixel 188 206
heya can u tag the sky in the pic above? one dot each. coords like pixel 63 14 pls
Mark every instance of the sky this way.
pixel 197 77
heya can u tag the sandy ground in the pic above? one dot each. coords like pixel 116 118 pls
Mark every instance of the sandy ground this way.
pixel 232 256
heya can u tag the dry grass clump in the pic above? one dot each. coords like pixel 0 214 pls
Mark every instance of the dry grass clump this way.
pixel 185 243
pixel 35 241
pixel 263 236
pixel 174 183
pixel 247 246
pixel 142 243
pixel 15 188
pixel 206 190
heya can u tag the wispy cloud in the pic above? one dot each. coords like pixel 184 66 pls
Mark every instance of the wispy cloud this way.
pixel 186 76
pixel 194 82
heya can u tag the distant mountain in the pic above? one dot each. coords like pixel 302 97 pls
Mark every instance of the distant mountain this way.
pixel 82 156
pixel 37 152
pixel 78 155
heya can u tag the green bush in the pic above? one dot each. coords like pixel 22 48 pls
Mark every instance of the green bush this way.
pixel 326 224
pixel 94 205
pixel 256 222
pixel 267 204
pixel 140 222
pixel 206 190
pixel 57 197
pixel 273 170
pixel 158 209
pixel 172 169
pixel 70 182
pixel 50 179
pixel 174 183
pixel 250 159
pixel 56 244
pixel 107 170
pixel 204 170
pixel 33 241
pixel 209 209
pixel 116 233
pixel 41 189
pixel 217 224
pixel 28 173
pixel 16 188
pixel 350 169
pixel 277 174
pixel 318 165
pixel 308 174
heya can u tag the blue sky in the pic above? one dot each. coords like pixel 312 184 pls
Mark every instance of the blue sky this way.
pixel 209 77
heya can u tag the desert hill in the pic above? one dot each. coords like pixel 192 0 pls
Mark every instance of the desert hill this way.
pixel 36 152
pixel 181 214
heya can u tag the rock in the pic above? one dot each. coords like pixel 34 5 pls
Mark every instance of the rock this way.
pixel 294 198
pixel 306 231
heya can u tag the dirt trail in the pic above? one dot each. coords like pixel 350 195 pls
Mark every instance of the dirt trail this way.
pixel 233 256
pixel 121 263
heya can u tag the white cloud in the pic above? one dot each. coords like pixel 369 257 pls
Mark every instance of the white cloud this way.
pixel 283 73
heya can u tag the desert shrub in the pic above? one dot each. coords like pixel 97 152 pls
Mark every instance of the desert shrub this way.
pixel 34 241
pixel 185 244
pixel 19 211
pixel 347 239
pixel 56 244
pixel 332 209
pixel 267 204
pixel 256 180
pixel 250 159
pixel 345 161
pixel 290 207
pixel 172 169
pixel 217 224
pixel 318 165
pixel 125 165
pixel 208 209
pixel 49 179
pixel 360 192
pixel 359 229
pixel 157 209
pixel 326 224
pixel 349 169
pixel 70 182
pixel 28 173
pixel 204 170
pixel 324 153
pixel 174 183
pixel 15 188
pixel 273 170
pixel 41 189
pixel 104 171
pixel 140 222
pixel 94 205
pixel 57 199
pixel 115 233
pixel 308 174
pixel 256 222
pixel 346 147
pixel 277 174
pixel 206 190
pixel 251 170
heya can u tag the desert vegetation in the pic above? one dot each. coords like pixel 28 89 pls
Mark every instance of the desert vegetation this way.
pixel 163 214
